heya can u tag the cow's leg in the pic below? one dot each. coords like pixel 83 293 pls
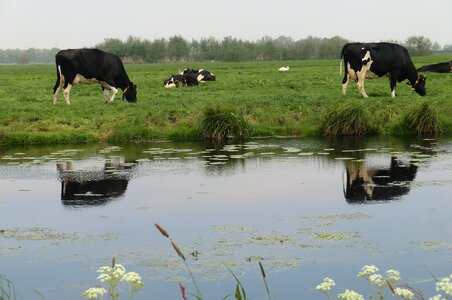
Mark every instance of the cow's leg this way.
pixel 114 92
pixel 66 92
pixel 106 93
pixel 345 83
pixel 56 89
pixel 360 83
pixel 393 82
pixel 58 86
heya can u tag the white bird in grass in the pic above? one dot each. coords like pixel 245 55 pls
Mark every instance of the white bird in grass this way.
pixel 283 69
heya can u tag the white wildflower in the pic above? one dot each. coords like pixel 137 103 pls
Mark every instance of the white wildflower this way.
pixel 437 297
pixel 104 277
pixel 404 293
pixel 377 280
pixel 445 285
pixel 326 285
pixel 94 292
pixel 134 279
pixel 350 295
pixel 111 276
pixel 393 275
pixel 366 271
pixel 119 270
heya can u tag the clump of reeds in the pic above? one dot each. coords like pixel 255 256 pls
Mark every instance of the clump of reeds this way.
pixel 223 123
pixel 423 119
pixel 346 119
pixel 239 293
pixel 182 256
pixel 7 289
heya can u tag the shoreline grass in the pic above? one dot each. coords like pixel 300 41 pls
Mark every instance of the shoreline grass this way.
pixel 293 103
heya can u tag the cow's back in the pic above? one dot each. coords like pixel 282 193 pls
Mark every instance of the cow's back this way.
pixel 91 63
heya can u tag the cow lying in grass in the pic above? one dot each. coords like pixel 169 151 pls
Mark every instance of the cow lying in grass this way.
pixel 188 77
pixel 445 67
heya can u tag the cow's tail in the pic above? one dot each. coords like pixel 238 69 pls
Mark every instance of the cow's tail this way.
pixel 58 80
pixel 342 61
pixel 343 64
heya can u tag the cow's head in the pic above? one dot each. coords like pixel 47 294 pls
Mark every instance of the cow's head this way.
pixel 419 85
pixel 131 92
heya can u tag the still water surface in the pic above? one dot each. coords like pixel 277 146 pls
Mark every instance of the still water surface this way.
pixel 306 209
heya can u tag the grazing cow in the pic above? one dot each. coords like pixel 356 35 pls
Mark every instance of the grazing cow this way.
pixel 188 79
pixel 92 66
pixel 201 75
pixel 371 60
pixel 445 67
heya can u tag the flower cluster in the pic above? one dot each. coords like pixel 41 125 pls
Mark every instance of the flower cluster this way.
pixel 392 275
pixel 94 292
pixel 134 279
pixel 112 276
pixel 406 294
pixel 326 285
pixel 367 271
pixel 350 295
pixel 445 285
pixel 378 282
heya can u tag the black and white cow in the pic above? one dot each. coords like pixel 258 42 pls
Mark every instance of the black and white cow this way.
pixel 445 67
pixel 201 75
pixel 92 66
pixel 372 60
pixel 180 80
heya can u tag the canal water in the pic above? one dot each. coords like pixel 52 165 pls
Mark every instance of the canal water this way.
pixel 305 208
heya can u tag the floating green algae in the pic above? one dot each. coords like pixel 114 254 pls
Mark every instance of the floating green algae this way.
pixel 338 236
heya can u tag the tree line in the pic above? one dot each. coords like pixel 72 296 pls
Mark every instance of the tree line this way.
pixel 177 48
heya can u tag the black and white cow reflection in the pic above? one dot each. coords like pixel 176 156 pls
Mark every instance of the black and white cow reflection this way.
pixel 93 186
pixel 378 184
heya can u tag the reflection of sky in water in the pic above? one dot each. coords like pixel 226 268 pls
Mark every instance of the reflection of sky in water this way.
pixel 279 201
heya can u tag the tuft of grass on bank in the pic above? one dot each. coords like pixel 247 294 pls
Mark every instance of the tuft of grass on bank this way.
pixel 295 103
pixel 348 118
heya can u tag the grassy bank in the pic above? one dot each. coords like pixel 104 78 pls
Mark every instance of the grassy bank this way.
pixel 272 103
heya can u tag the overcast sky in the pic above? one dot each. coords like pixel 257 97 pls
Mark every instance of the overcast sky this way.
pixel 82 23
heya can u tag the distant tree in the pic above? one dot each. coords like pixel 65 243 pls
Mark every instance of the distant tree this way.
pixel 447 47
pixel 231 49
pixel 112 45
pixel 307 48
pixel 418 45
pixel 209 49
pixel 135 49
pixel 156 51
pixel 436 47
pixel 331 48
pixel 178 48
pixel 269 49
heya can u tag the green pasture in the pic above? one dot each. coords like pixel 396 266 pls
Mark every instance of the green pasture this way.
pixel 293 103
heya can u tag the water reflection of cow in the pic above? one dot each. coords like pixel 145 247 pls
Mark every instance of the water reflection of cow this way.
pixel 93 186
pixel 370 184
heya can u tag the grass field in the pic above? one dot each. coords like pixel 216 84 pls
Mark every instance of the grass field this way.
pixel 294 103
